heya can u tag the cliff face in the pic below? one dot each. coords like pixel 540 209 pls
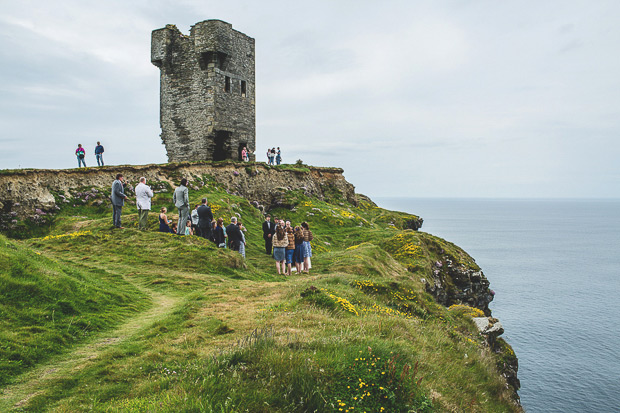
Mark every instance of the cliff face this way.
pixel 23 192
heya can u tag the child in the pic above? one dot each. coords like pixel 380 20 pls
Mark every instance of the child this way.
pixel 188 228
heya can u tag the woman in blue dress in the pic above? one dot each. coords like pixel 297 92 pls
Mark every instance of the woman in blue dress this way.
pixel 163 221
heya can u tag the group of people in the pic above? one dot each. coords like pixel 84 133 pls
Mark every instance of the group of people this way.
pixel 245 154
pixel 201 221
pixel 80 153
pixel 274 157
pixel 291 245
pixel 202 224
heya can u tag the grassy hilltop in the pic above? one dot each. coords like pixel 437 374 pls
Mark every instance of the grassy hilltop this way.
pixel 97 319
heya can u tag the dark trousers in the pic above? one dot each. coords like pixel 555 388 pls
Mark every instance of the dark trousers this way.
pixel 116 215
pixel 268 245
pixel 205 232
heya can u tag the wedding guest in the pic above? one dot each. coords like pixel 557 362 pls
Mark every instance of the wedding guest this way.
pixel 234 234
pixel 118 199
pixel 143 201
pixel 188 228
pixel 243 243
pixel 298 255
pixel 307 248
pixel 218 234
pixel 280 241
pixel 290 248
pixel 163 221
pixel 195 219
pixel 181 201
pixel 205 216
pixel 269 228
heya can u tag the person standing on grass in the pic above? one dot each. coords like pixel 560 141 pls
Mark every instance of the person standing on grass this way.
pixel 234 234
pixel 181 201
pixel 163 221
pixel 290 248
pixel 99 154
pixel 143 201
pixel 243 243
pixel 298 255
pixel 194 218
pixel 307 248
pixel 269 228
pixel 218 234
pixel 118 200
pixel 80 153
pixel 280 241
pixel 205 216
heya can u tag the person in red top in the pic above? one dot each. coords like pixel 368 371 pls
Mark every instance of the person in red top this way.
pixel 80 153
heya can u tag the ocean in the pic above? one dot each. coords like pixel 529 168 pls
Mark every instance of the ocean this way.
pixel 555 268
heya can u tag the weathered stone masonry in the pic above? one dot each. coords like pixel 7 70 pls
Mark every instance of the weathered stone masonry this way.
pixel 207 91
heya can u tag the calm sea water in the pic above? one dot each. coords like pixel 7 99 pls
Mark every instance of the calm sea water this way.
pixel 555 268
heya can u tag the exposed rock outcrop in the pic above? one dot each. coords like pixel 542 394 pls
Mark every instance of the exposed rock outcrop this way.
pixel 456 279
pixel 491 329
pixel 24 191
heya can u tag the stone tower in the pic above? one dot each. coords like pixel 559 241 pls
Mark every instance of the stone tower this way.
pixel 207 103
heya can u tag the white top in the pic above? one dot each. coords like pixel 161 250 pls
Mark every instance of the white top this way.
pixel 143 196
pixel 194 216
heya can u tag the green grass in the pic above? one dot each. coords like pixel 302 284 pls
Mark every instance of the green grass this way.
pixel 175 324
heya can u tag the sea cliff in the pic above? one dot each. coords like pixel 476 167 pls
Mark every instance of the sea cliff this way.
pixel 379 286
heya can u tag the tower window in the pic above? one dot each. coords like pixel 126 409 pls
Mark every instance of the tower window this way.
pixel 243 88
pixel 227 84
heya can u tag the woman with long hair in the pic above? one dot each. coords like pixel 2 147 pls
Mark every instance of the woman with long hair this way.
pixel 307 248
pixel 280 241
pixel 298 255
pixel 218 234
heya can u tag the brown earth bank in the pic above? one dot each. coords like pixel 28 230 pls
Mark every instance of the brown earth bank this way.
pixel 23 191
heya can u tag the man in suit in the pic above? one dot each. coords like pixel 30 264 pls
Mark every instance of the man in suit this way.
pixel 118 200
pixel 143 201
pixel 205 216
pixel 234 235
pixel 181 201
pixel 269 228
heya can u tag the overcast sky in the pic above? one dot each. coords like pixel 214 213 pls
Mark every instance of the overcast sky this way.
pixel 411 98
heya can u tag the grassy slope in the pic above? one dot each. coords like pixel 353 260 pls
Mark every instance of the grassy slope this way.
pixel 357 335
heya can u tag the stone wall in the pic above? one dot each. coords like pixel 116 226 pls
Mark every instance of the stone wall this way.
pixel 207 91
pixel 23 191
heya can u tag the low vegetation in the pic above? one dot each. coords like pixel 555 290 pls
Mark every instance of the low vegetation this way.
pixel 97 319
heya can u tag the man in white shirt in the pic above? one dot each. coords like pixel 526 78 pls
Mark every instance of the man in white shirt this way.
pixel 143 201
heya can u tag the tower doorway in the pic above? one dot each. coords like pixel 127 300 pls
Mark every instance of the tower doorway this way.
pixel 221 150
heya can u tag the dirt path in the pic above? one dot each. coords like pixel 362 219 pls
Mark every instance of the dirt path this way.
pixel 39 379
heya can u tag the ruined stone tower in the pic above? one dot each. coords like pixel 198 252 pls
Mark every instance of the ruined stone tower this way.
pixel 207 103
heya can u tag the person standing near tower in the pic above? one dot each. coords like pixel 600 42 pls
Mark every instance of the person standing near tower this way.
pixel 99 154
pixel 181 201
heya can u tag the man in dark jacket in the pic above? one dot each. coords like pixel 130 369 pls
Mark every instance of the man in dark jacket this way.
pixel 118 200
pixel 234 234
pixel 269 228
pixel 205 216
